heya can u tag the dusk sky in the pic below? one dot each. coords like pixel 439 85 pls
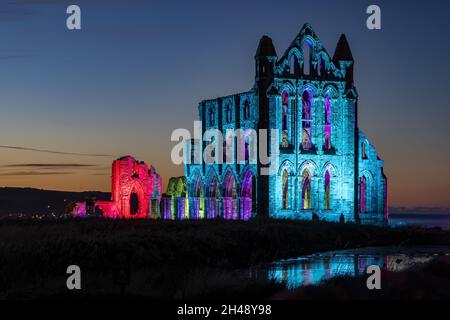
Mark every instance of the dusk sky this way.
pixel 73 101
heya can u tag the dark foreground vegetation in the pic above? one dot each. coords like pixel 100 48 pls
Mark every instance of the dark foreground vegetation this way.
pixel 167 259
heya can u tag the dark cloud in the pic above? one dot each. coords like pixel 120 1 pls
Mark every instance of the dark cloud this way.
pixel 49 165
pixel 55 151
pixel 32 2
pixel 18 56
pixel 34 173
pixel 13 10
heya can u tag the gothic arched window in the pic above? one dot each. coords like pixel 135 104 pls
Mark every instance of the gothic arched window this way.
pixel 327 185
pixel 327 133
pixel 285 118
pixel 285 110
pixel 363 150
pixel 306 58
pixel 306 190
pixel 247 149
pixel 246 110
pixel 285 181
pixel 306 120
pixel 320 66
pixel 212 116
pixel 228 114
pixel 294 66
pixel 362 194
pixel 224 152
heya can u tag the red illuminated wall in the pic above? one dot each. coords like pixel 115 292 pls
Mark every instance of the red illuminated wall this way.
pixel 128 176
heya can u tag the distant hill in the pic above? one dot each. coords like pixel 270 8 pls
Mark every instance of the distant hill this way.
pixel 419 210
pixel 28 201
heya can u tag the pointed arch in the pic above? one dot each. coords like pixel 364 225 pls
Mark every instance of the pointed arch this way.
pixel 192 185
pixel 313 90
pixel 228 113
pixel 135 202
pixel 366 192
pixel 212 194
pixel 293 60
pixel 330 90
pixel 195 196
pixel 287 86
pixel 229 195
pixel 248 195
pixel 246 107
pixel 323 61
pixel 331 168
pixel 309 165
pixel 307 47
pixel 212 115
pixel 288 166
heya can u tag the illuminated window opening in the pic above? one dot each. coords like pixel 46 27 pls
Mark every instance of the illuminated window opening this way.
pixel 306 58
pixel 294 66
pixel 285 179
pixel 327 186
pixel 363 195
pixel 327 133
pixel 306 120
pixel 285 119
pixel 306 190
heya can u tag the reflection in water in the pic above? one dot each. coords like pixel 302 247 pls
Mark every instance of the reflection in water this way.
pixel 311 270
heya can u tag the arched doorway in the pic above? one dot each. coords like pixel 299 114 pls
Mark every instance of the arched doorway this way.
pixel 248 196
pixel 306 190
pixel 229 197
pixel 134 204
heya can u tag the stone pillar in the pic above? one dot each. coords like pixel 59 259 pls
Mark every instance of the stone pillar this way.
pixel 181 207
pixel 167 208
pixel 221 212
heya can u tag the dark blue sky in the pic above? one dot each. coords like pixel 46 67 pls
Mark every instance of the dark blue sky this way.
pixel 137 70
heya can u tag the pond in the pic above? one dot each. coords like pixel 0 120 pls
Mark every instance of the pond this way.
pixel 315 268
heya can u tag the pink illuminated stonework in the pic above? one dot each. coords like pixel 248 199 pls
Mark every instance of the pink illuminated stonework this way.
pixel 135 194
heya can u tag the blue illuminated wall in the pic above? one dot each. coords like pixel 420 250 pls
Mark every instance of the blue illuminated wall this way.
pixel 328 169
